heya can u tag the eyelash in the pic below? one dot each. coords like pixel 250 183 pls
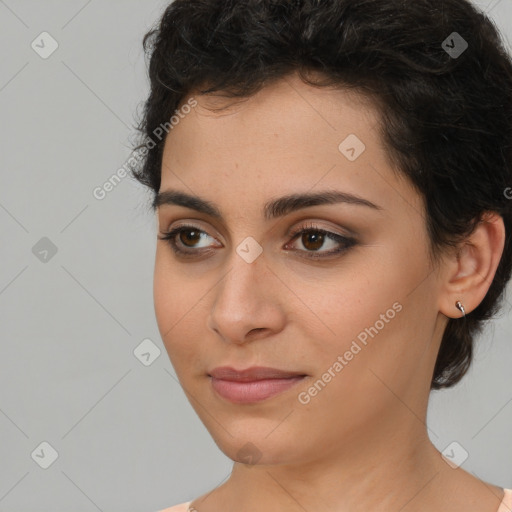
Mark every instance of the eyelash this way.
pixel 346 242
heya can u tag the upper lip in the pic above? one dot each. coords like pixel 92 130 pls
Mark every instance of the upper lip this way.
pixel 252 374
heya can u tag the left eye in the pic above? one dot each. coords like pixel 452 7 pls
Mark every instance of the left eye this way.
pixel 312 239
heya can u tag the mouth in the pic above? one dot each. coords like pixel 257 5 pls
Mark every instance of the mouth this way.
pixel 252 384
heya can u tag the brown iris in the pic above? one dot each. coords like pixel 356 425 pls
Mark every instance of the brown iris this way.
pixel 190 235
pixel 317 239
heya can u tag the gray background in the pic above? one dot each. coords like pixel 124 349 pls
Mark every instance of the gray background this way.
pixel 126 437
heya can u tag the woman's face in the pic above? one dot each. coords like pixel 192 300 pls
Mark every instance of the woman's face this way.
pixel 362 324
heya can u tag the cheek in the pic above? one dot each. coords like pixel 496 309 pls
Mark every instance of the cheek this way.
pixel 364 319
pixel 377 335
pixel 174 300
pixel 350 363
pixel 179 303
pixel 175 292
pixel 165 295
pixel 341 308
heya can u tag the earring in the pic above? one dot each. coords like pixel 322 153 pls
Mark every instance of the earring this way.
pixel 459 306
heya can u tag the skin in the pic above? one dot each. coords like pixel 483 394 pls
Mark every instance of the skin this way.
pixel 362 442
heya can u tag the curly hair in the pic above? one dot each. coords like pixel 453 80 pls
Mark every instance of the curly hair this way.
pixel 445 115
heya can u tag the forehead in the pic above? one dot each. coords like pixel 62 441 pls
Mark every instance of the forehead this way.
pixel 290 99
pixel 288 136
pixel 286 116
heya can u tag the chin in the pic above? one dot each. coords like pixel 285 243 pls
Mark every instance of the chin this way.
pixel 259 448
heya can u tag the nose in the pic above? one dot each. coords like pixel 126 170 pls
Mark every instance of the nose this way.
pixel 247 302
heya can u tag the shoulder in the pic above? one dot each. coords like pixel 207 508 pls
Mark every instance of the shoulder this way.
pixel 182 507
pixel 506 504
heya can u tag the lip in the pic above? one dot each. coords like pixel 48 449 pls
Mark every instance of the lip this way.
pixel 251 374
pixel 252 384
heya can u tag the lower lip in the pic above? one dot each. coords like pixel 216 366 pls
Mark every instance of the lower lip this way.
pixel 254 391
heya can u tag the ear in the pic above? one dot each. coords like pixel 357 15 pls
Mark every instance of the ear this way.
pixel 470 271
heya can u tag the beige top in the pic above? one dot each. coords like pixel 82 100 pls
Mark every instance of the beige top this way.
pixel 505 506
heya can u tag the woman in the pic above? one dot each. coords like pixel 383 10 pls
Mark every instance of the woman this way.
pixel 331 182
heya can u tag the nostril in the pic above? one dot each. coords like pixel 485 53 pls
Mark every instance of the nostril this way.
pixel 256 331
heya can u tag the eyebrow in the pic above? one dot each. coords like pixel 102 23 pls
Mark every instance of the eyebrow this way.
pixel 274 208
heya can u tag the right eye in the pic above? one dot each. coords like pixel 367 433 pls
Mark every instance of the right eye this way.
pixel 193 235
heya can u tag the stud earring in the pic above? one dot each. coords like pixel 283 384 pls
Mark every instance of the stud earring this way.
pixel 459 306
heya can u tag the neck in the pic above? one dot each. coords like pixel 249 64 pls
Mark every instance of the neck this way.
pixel 386 467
